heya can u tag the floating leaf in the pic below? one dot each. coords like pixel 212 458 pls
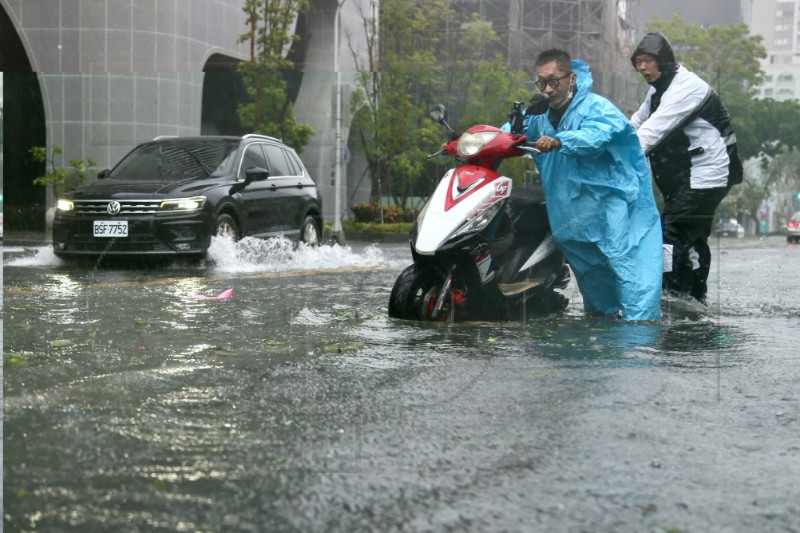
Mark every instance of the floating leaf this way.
pixel 542 374
pixel 61 343
pixel 273 342
pixel 349 347
pixel 141 322
pixel 158 484
pixel 14 359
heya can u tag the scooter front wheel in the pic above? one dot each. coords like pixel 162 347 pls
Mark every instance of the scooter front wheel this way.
pixel 413 294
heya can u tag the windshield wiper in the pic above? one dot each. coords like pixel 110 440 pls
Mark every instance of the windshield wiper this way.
pixel 206 169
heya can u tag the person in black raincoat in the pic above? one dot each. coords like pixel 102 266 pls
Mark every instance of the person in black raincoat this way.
pixel 686 132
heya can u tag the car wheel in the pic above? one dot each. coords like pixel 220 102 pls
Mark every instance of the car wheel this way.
pixel 309 232
pixel 226 227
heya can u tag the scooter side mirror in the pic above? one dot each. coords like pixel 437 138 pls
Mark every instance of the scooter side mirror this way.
pixel 439 113
pixel 538 105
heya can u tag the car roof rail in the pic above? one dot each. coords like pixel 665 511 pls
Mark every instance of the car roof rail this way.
pixel 160 137
pixel 259 136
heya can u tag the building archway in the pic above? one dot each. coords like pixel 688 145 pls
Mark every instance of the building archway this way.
pixel 23 128
pixel 223 92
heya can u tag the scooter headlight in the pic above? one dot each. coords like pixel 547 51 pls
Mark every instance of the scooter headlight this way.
pixel 471 143
pixel 480 218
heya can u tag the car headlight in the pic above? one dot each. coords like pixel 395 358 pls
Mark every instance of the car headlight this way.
pixel 183 204
pixel 64 205
pixel 471 143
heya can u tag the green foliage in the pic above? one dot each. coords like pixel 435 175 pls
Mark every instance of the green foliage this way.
pixel 271 31
pixel 388 214
pixel 62 178
pixel 351 226
pixel 784 170
pixel 427 55
pixel 727 57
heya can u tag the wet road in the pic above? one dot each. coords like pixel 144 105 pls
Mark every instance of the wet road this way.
pixel 134 403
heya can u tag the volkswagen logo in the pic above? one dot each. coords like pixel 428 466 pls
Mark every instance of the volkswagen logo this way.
pixel 113 207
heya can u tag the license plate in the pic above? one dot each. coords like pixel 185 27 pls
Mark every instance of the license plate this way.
pixel 110 228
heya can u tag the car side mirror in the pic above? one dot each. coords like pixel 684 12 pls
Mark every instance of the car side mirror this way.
pixel 103 173
pixel 255 174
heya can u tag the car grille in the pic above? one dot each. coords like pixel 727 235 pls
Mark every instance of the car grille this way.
pixel 133 243
pixel 127 207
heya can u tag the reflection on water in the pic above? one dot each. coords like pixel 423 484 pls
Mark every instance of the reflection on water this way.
pixel 133 404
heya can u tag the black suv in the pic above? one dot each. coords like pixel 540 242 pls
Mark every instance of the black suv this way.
pixel 170 195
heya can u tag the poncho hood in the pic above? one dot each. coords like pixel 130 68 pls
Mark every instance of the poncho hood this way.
pixel 656 44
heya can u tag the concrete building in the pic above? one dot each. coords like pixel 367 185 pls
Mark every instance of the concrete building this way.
pixel 778 22
pixel 98 77
pixel 706 13
pixel 602 32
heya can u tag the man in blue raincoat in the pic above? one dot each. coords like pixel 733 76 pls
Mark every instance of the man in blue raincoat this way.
pixel 598 191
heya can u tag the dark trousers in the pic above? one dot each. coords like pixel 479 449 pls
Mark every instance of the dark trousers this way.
pixel 686 225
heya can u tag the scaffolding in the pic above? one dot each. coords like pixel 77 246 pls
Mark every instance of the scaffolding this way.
pixel 601 32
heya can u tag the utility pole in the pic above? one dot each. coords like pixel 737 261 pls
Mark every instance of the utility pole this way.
pixel 337 233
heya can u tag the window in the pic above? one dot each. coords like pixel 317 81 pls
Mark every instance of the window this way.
pixel 785 77
pixel 768 78
pixel 767 92
pixel 277 161
pixel 253 157
pixel 297 167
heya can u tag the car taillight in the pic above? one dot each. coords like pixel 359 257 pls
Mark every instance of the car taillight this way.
pixel 792 224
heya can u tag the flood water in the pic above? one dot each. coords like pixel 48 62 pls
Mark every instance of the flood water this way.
pixel 134 402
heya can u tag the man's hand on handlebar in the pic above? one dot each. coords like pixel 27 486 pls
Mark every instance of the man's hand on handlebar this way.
pixel 547 144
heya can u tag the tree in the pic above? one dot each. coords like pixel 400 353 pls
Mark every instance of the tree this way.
pixel 728 59
pixel 425 55
pixel 60 177
pixel 271 32
pixel 395 89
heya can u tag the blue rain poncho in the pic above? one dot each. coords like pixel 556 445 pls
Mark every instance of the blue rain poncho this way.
pixel 600 204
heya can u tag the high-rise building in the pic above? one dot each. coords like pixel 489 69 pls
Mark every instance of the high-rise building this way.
pixel 708 13
pixel 778 22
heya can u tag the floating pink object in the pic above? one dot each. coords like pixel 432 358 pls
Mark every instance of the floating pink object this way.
pixel 224 295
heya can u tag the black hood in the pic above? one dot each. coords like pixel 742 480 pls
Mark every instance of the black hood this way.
pixel 656 44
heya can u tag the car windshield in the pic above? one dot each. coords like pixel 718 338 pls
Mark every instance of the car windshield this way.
pixel 177 160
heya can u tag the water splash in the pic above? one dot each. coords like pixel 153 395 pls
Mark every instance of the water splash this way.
pixel 41 256
pixel 249 255
pixel 280 255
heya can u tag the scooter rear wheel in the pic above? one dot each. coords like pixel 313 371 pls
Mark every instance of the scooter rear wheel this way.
pixel 411 294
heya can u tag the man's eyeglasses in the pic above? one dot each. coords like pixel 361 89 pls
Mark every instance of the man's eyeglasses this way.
pixel 553 83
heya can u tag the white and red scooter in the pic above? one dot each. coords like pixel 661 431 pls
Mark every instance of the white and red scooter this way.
pixel 482 249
